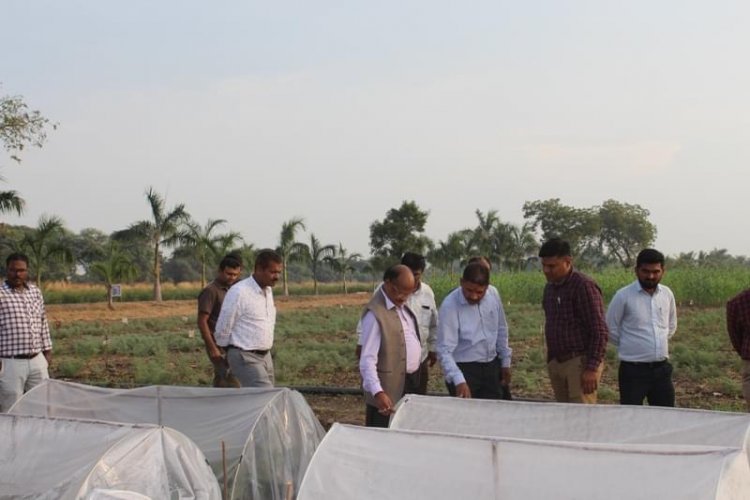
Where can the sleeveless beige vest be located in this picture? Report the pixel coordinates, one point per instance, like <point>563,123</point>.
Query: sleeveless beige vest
<point>391,363</point>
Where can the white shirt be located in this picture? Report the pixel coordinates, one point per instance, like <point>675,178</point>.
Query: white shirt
<point>247,317</point>
<point>471,333</point>
<point>422,304</point>
<point>368,362</point>
<point>640,324</point>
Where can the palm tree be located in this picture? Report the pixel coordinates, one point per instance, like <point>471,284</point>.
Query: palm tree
<point>11,202</point>
<point>289,249</point>
<point>117,266</point>
<point>342,262</point>
<point>45,243</point>
<point>164,230</point>
<point>451,251</point>
<point>482,239</point>
<point>206,244</point>
<point>315,254</point>
<point>522,245</point>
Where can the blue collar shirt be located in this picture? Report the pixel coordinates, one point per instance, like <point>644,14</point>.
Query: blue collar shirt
<point>641,324</point>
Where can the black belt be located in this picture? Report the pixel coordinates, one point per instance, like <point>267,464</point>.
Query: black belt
<point>259,352</point>
<point>23,356</point>
<point>649,364</point>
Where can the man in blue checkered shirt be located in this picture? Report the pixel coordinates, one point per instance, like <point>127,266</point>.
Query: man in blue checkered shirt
<point>25,344</point>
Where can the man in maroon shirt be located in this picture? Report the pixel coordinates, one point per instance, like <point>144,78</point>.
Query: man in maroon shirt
<point>738,326</point>
<point>575,328</point>
<point>209,307</point>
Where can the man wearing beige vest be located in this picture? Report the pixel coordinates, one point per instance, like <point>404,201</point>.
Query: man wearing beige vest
<point>391,348</point>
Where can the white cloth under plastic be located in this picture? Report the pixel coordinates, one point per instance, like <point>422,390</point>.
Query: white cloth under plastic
<point>387,464</point>
<point>572,422</point>
<point>269,434</point>
<point>49,458</point>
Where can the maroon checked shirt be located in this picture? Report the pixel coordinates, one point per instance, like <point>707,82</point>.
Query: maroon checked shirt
<point>575,323</point>
<point>738,323</point>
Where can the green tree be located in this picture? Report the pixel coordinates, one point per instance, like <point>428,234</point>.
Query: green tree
<point>449,253</point>
<point>521,245</point>
<point>343,263</point>
<point>21,127</point>
<point>11,201</point>
<point>45,244</point>
<point>579,226</point>
<point>625,230</point>
<point>117,266</point>
<point>288,248</point>
<point>162,231</point>
<point>315,254</point>
<point>206,244</point>
<point>89,246</point>
<point>400,231</point>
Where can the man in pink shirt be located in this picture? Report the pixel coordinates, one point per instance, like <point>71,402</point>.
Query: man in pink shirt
<point>391,348</point>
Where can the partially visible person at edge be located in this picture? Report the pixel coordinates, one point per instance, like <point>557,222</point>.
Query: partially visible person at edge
<point>642,317</point>
<point>422,304</point>
<point>246,323</point>
<point>575,328</point>
<point>391,347</point>
<point>209,307</point>
<point>738,327</point>
<point>25,343</point>
<point>473,338</point>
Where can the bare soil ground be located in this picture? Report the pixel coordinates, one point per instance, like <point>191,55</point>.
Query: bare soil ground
<point>168,308</point>
<point>328,408</point>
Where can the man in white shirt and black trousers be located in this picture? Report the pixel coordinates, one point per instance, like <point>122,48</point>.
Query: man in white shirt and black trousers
<point>642,317</point>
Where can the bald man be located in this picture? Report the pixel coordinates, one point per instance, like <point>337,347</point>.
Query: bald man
<point>391,347</point>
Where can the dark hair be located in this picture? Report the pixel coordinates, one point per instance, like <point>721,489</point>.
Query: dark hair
<point>480,259</point>
<point>649,256</point>
<point>16,256</point>
<point>476,273</point>
<point>231,260</point>
<point>414,261</point>
<point>264,257</point>
<point>555,247</point>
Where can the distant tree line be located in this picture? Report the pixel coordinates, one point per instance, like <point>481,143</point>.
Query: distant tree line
<point>171,245</point>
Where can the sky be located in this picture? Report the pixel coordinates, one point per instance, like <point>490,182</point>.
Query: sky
<point>337,111</point>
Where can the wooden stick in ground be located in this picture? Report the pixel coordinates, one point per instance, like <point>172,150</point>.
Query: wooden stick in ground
<point>224,468</point>
<point>289,490</point>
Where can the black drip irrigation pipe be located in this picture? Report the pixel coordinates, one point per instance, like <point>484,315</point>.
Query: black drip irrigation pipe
<point>356,391</point>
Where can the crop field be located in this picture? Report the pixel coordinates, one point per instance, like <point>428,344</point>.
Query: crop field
<point>147,343</point>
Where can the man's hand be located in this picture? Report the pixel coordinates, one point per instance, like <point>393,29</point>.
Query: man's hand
<point>358,351</point>
<point>463,391</point>
<point>432,357</point>
<point>505,376</point>
<point>588,381</point>
<point>383,403</point>
<point>215,355</point>
<point>47,356</point>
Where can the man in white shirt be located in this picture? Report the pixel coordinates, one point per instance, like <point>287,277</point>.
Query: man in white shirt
<point>642,317</point>
<point>422,304</point>
<point>391,348</point>
<point>473,338</point>
<point>246,323</point>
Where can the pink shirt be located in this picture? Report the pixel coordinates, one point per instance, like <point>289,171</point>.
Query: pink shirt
<point>371,345</point>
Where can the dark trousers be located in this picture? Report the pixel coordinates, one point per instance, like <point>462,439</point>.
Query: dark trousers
<point>649,381</point>
<point>483,379</point>
<point>424,377</point>
<point>373,418</point>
